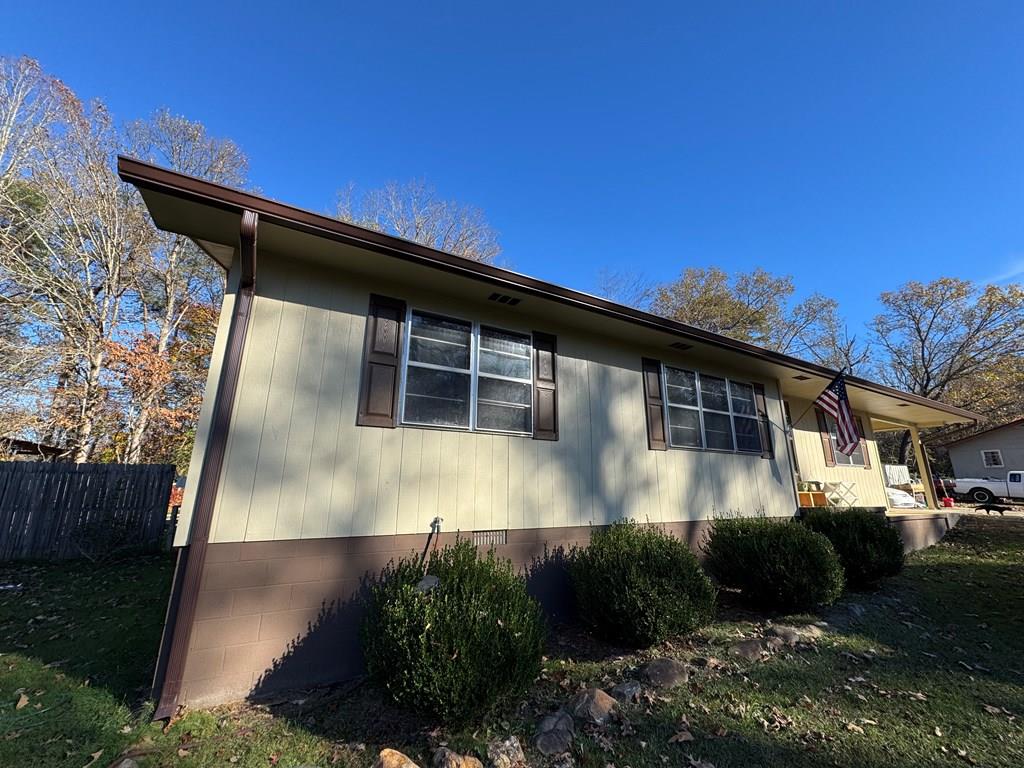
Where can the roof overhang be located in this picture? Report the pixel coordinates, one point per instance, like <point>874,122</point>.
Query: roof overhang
<point>211,214</point>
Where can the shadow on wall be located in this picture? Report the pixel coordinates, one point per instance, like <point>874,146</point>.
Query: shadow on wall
<point>330,650</point>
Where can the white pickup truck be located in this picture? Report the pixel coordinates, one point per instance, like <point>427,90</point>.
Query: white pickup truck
<point>986,490</point>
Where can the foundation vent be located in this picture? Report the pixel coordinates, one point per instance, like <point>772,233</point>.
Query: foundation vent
<point>502,298</point>
<point>490,539</point>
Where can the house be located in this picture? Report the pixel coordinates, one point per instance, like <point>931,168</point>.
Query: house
<point>369,397</point>
<point>989,453</point>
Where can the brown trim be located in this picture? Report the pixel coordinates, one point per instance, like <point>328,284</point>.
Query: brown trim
<point>168,689</point>
<point>654,404</point>
<point>382,363</point>
<point>545,387</point>
<point>763,422</point>
<point>151,177</point>
<point>826,441</point>
<point>863,442</point>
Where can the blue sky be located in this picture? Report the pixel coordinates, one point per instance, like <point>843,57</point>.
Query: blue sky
<point>852,145</point>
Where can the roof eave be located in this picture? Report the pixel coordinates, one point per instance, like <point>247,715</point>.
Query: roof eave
<point>151,177</point>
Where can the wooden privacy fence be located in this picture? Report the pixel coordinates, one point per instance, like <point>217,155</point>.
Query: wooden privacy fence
<point>53,511</point>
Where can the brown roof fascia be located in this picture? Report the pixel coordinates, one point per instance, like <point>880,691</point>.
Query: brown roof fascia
<point>157,179</point>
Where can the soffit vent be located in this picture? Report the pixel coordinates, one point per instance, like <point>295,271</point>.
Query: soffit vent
<point>490,538</point>
<point>502,298</point>
<point>682,346</point>
<point>801,377</point>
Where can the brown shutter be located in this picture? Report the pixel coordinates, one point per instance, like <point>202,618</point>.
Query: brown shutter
<point>863,442</point>
<point>382,360</point>
<point>826,442</point>
<point>654,405</point>
<point>545,388</point>
<point>765,425</point>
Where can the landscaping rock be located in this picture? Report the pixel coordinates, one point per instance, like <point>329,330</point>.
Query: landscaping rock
<point>665,673</point>
<point>506,754</point>
<point>446,758</point>
<point>554,734</point>
<point>750,650</point>
<point>427,583</point>
<point>392,758</point>
<point>593,705</point>
<point>793,635</point>
<point>628,691</point>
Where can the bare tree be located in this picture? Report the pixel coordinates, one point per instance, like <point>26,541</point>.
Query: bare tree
<point>949,339</point>
<point>414,211</point>
<point>626,287</point>
<point>29,107</point>
<point>174,277</point>
<point>73,240</point>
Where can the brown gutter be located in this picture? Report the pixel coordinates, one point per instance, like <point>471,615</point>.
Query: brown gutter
<point>152,177</point>
<point>189,572</point>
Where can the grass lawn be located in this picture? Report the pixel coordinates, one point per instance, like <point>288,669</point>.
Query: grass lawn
<point>928,671</point>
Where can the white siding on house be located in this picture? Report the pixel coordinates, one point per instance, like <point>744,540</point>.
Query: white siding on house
<point>867,482</point>
<point>297,466</point>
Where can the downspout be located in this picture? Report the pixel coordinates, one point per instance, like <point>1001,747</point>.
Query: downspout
<point>167,683</point>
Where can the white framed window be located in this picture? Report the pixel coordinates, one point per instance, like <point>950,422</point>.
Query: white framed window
<point>711,412</point>
<point>457,374</point>
<point>992,458</point>
<point>841,459</point>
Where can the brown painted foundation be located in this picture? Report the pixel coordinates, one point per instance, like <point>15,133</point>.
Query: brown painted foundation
<point>275,615</point>
<point>922,530</point>
<point>278,615</point>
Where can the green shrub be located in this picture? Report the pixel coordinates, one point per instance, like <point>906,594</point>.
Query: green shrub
<point>638,585</point>
<point>868,547</point>
<point>458,648</point>
<point>779,566</point>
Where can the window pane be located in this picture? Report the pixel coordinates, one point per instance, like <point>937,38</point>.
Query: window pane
<point>503,417</point>
<point>501,391</point>
<point>681,386</point>
<point>856,460</point>
<point>439,341</point>
<point>504,353</point>
<point>438,353</point>
<point>684,427</point>
<point>712,394</point>
<point>742,398</point>
<point>436,397</point>
<point>717,430</point>
<point>748,436</point>
<point>504,365</point>
<point>505,341</point>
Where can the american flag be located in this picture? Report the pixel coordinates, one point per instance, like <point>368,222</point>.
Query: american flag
<point>836,404</point>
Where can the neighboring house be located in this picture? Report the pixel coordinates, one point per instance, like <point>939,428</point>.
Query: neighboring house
<point>369,397</point>
<point>28,450</point>
<point>990,453</point>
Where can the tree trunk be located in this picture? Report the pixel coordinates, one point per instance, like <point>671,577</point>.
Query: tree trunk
<point>905,446</point>
<point>90,403</point>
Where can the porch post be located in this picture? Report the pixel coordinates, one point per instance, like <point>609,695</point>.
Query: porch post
<point>924,469</point>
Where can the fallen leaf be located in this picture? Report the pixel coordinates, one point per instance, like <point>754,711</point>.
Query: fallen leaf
<point>182,752</point>
<point>854,728</point>
<point>95,756</point>
<point>988,708</point>
<point>938,731</point>
<point>22,702</point>
<point>682,735</point>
